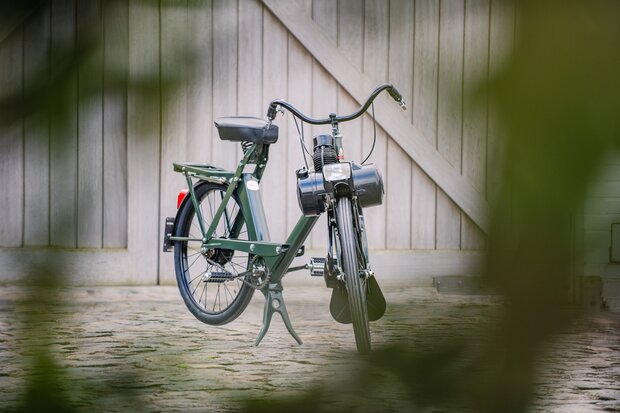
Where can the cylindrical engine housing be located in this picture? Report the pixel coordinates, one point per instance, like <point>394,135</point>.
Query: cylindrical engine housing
<point>368,184</point>
<point>310,191</point>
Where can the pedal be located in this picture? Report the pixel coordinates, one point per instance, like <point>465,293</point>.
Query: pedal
<point>217,277</point>
<point>316,267</point>
<point>168,228</point>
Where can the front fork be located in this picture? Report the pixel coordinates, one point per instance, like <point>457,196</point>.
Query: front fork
<point>333,271</point>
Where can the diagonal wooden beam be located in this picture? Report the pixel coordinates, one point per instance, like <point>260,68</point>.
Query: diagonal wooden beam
<point>358,84</point>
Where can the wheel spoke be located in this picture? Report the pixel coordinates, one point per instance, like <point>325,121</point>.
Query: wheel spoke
<point>227,295</point>
<point>193,262</point>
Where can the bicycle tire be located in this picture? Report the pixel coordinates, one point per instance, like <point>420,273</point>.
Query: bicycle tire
<point>192,264</point>
<point>354,283</point>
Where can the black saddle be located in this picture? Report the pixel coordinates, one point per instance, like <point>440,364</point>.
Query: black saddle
<point>246,129</point>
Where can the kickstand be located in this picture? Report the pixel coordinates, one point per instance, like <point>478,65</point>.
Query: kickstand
<point>275,304</point>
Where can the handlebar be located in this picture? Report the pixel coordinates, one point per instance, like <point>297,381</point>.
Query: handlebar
<point>273,107</point>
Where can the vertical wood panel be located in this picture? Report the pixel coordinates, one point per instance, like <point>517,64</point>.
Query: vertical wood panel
<point>249,99</point>
<point>300,95</point>
<point>143,144</point>
<point>200,129</point>
<point>449,116</point>
<point>398,163</point>
<point>476,43</point>
<point>500,46</point>
<point>351,44</point>
<point>423,203</point>
<point>12,153</point>
<point>325,14</point>
<point>225,32</point>
<point>173,46</point>
<point>247,59</point>
<point>36,134</point>
<point>63,138</point>
<point>90,128</point>
<point>376,29</point>
<point>352,135</point>
<point>275,86</point>
<point>324,94</point>
<point>116,55</point>
<point>351,30</point>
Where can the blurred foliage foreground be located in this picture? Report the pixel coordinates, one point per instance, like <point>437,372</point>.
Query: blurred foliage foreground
<point>558,101</point>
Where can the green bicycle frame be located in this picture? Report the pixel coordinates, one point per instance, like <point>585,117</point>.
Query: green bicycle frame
<point>278,257</point>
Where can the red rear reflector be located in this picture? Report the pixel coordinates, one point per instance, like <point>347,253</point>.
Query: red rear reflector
<point>181,197</point>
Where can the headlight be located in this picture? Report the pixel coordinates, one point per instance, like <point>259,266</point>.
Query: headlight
<point>336,172</point>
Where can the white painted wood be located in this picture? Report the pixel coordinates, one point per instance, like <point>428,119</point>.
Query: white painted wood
<point>108,267</point>
<point>90,129</point>
<point>324,95</point>
<point>351,45</point>
<point>63,133</point>
<point>324,101</point>
<point>396,267</point>
<point>376,47</point>
<point>143,147</point>
<point>36,134</point>
<point>225,41</point>
<point>424,108</point>
<point>351,31</point>
<point>300,95</point>
<point>299,76</point>
<point>273,184</point>
<point>325,14</point>
<point>449,114</point>
<point>423,210</point>
<point>475,70</point>
<point>347,42</point>
<point>116,55</point>
<point>398,174</point>
<point>501,45</point>
<point>80,266</point>
<point>355,149</point>
<point>376,217</point>
<point>174,35</point>
<point>12,153</point>
<point>415,145</point>
<point>249,99</point>
<point>200,129</point>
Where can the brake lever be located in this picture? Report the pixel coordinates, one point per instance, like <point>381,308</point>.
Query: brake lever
<point>272,112</point>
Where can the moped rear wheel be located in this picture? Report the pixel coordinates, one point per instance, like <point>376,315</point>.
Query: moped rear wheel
<point>354,282</point>
<point>209,280</point>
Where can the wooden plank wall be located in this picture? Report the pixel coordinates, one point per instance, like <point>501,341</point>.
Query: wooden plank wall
<point>434,51</point>
<point>64,177</point>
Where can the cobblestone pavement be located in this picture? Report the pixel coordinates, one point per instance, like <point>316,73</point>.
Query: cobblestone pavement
<point>144,339</point>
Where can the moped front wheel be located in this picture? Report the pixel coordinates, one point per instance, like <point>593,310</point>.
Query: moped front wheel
<point>355,283</point>
<point>208,279</point>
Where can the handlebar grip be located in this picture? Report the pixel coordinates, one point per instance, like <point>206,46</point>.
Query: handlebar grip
<point>395,94</point>
<point>272,111</point>
<point>397,97</point>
